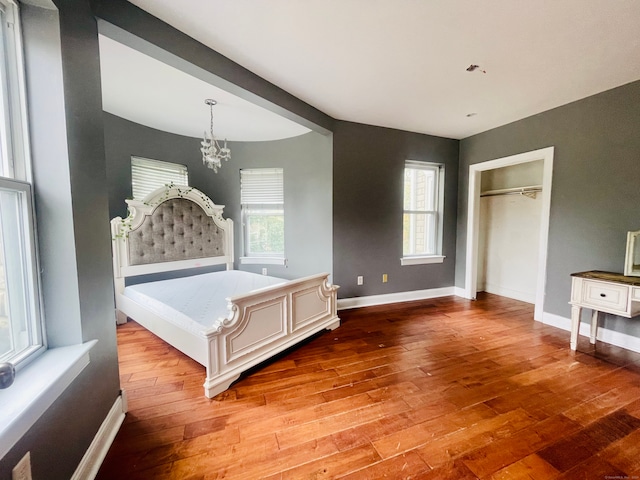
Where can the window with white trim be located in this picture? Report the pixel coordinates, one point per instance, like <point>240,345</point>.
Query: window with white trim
<point>21,326</point>
<point>148,175</point>
<point>262,204</point>
<point>422,212</point>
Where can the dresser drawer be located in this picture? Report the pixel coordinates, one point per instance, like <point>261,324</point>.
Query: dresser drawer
<point>605,296</point>
<point>635,294</point>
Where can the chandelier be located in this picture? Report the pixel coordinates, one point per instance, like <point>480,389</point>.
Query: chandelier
<point>212,152</point>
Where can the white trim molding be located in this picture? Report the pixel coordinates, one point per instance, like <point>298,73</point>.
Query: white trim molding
<point>263,261</point>
<point>97,451</point>
<point>459,292</point>
<point>526,297</point>
<point>422,260</point>
<point>355,302</point>
<point>35,389</point>
<point>473,219</point>
<point>611,337</point>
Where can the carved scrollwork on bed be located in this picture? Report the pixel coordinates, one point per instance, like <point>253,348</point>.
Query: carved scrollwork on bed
<point>175,225</point>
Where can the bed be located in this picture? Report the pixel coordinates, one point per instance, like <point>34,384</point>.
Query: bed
<point>228,321</point>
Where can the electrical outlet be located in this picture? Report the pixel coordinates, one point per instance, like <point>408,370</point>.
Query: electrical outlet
<point>22,470</point>
<point>385,278</point>
<point>264,271</point>
<point>360,279</point>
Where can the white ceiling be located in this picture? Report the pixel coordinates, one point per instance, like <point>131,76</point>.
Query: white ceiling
<point>144,90</point>
<point>402,63</point>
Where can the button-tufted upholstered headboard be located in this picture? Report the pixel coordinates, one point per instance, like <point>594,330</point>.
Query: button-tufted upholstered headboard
<point>172,228</point>
<point>177,229</point>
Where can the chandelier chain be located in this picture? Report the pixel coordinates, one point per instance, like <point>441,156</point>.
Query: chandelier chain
<point>212,152</point>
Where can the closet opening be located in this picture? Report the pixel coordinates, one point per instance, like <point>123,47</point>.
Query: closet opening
<point>508,225</point>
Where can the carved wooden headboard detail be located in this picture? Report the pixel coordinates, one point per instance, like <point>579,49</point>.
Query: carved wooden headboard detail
<point>172,228</point>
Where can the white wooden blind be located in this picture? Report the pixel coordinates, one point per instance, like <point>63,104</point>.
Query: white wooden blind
<point>262,186</point>
<point>147,175</point>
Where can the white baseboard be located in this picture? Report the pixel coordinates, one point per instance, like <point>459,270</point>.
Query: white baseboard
<point>97,451</point>
<point>557,321</point>
<point>528,297</point>
<point>459,292</point>
<point>355,302</point>
<point>611,337</point>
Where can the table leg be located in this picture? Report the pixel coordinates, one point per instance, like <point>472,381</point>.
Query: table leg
<point>595,316</point>
<point>575,325</point>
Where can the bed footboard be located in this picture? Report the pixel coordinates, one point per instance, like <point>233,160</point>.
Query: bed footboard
<point>266,322</point>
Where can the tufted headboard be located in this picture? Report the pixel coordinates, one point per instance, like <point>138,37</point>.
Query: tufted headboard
<point>173,228</point>
<point>177,229</point>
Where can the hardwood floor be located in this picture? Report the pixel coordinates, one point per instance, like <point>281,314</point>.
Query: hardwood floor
<point>438,389</point>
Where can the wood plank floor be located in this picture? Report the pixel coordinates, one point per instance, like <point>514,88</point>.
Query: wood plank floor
<point>438,389</point>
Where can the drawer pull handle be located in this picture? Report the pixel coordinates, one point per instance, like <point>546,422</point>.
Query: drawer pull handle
<point>603,295</point>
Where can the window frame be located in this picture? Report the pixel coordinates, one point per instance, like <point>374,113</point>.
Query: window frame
<point>13,120</point>
<point>272,204</point>
<point>16,176</point>
<point>43,377</point>
<point>156,167</point>
<point>437,211</point>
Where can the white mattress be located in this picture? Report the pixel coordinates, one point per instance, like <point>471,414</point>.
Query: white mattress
<point>195,302</point>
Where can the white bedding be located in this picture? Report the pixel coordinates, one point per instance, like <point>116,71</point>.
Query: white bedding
<point>195,302</point>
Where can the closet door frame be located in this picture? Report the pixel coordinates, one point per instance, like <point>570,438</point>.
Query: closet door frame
<point>473,220</point>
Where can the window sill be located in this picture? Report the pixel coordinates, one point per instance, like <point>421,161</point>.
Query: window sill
<point>263,261</point>
<point>422,260</point>
<point>35,389</point>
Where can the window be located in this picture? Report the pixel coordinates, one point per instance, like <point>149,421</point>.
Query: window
<point>148,175</point>
<point>43,374</point>
<point>422,217</point>
<point>262,199</point>
<point>21,331</point>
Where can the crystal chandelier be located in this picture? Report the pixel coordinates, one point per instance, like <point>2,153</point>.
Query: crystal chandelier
<point>212,152</point>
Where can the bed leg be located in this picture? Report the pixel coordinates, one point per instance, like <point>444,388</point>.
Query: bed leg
<point>334,325</point>
<point>121,318</point>
<point>211,391</point>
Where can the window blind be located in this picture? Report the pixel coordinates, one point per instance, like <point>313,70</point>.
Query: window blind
<point>147,175</point>
<point>262,186</point>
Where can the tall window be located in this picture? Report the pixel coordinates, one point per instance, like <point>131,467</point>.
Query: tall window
<point>422,217</point>
<point>262,199</point>
<point>21,330</point>
<point>148,175</point>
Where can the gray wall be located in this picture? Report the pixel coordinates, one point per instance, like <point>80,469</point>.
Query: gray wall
<point>307,164</point>
<point>595,193</point>
<point>520,175</point>
<point>71,206</point>
<point>367,208</point>
<point>123,139</point>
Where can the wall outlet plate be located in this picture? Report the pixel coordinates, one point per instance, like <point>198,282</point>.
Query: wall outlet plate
<point>22,470</point>
<point>360,280</point>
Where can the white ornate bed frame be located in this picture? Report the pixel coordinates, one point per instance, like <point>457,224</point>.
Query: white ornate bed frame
<point>176,228</point>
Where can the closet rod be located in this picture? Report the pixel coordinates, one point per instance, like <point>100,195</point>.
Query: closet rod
<point>529,191</point>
